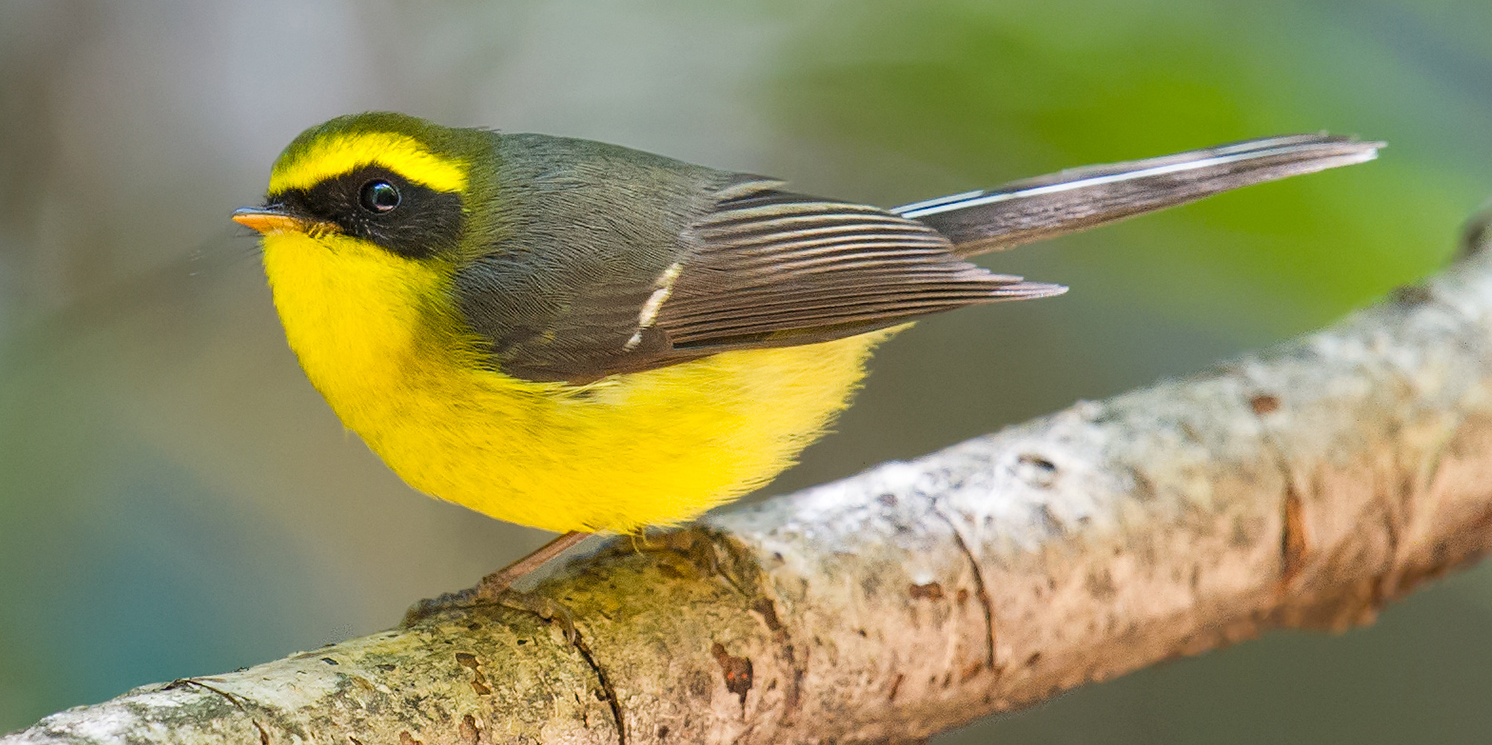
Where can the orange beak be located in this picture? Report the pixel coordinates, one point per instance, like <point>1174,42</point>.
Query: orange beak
<point>269,221</point>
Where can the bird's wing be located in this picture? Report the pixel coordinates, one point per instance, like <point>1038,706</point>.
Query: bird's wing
<point>773,268</point>
<point>703,262</point>
<point>753,267</point>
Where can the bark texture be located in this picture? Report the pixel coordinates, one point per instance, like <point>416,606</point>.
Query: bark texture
<point>1304,486</point>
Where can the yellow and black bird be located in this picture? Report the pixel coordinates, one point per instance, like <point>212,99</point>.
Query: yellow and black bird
<point>583,337</point>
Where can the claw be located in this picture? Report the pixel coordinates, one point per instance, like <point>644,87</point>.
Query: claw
<point>543,606</point>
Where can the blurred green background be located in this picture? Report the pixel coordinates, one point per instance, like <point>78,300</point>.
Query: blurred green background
<point>176,500</point>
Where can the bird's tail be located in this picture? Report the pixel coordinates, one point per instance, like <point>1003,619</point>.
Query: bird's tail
<point>1072,200</point>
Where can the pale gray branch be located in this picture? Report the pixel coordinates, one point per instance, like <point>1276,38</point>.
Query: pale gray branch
<point>1305,486</point>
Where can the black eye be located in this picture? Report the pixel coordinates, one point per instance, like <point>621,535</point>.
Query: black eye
<point>379,196</point>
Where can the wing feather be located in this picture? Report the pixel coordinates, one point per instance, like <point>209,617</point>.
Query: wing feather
<point>605,260</point>
<point>777,267</point>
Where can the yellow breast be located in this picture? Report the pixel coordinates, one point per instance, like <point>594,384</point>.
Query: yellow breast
<point>378,336</point>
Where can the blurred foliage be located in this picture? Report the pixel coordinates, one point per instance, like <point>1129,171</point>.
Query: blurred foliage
<point>175,499</point>
<point>937,83</point>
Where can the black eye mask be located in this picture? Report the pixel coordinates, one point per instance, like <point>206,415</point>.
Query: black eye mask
<point>378,205</point>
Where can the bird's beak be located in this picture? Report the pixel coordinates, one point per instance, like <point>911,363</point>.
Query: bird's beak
<point>269,220</point>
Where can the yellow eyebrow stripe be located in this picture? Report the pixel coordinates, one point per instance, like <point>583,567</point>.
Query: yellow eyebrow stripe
<point>341,154</point>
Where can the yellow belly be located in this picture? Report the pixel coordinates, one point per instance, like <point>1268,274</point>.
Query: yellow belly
<point>376,335</point>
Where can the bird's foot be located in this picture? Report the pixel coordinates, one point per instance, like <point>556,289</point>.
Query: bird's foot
<point>497,588</point>
<point>431,606</point>
<point>543,606</point>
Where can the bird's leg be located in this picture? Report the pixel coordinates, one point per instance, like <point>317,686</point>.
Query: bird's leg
<point>500,581</point>
<point>497,587</point>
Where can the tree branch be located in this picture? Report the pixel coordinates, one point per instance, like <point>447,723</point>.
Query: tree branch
<point>1305,486</point>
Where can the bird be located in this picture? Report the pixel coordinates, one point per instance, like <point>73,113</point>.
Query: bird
<point>583,337</point>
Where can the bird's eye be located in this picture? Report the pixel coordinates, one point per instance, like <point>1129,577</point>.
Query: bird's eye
<point>379,196</point>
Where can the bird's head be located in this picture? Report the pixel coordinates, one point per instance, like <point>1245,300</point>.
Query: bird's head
<point>397,182</point>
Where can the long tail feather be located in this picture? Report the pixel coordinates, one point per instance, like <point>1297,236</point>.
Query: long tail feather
<point>1081,198</point>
